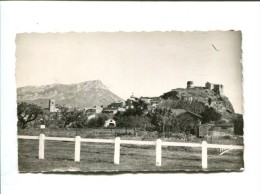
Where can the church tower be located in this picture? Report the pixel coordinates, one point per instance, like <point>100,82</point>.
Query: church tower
<point>52,106</point>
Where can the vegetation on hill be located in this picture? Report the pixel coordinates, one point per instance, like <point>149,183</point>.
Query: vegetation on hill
<point>205,97</point>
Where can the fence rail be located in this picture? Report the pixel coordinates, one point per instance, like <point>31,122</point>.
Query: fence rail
<point>117,142</point>
<point>28,137</point>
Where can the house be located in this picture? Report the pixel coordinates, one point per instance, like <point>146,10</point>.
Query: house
<point>119,104</point>
<point>221,130</point>
<point>129,106</point>
<point>217,130</point>
<point>98,109</point>
<point>203,129</point>
<point>110,123</point>
<point>133,98</point>
<point>115,107</point>
<point>152,102</point>
<point>146,100</point>
<point>178,112</point>
<point>130,101</point>
<point>94,110</point>
<point>91,117</point>
<point>121,109</point>
<point>194,115</point>
<point>110,110</point>
<point>156,100</point>
<point>195,119</point>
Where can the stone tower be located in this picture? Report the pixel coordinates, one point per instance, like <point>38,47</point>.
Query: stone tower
<point>218,89</point>
<point>52,106</point>
<point>189,84</point>
<point>208,85</point>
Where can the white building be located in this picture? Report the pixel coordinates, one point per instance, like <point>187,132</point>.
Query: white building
<point>110,122</point>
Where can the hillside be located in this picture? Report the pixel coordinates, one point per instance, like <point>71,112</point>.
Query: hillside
<point>208,97</point>
<point>82,95</point>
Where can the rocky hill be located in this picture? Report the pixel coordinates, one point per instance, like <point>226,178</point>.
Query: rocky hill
<point>208,97</point>
<point>82,95</point>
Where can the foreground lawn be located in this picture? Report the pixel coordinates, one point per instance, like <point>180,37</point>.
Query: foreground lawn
<point>59,157</point>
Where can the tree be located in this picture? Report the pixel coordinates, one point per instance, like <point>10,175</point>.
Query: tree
<point>161,118</point>
<point>124,121</point>
<point>26,113</point>
<point>132,121</point>
<point>143,122</point>
<point>100,120</point>
<point>139,107</point>
<point>67,116</point>
<point>80,122</point>
<point>170,95</point>
<point>196,107</point>
<point>92,123</point>
<point>173,123</point>
<point>209,115</point>
<point>132,117</point>
<point>186,122</point>
<point>238,124</point>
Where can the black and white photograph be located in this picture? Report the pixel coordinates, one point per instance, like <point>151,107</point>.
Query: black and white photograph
<point>129,97</point>
<point>130,101</point>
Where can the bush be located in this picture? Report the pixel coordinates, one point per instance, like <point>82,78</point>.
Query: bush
<point>227,137</point>
<point>210,114</point>
<point>238,124</point>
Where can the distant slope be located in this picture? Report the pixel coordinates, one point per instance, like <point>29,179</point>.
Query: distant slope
<point>82,95</point>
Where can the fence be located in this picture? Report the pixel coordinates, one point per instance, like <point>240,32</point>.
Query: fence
<point>117,142</point>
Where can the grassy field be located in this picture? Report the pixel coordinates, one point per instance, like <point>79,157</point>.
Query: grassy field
<point>59,157</point>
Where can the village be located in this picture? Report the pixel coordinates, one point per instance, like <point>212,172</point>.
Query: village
<point>178,111</point>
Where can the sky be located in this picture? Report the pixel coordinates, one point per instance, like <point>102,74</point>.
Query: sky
<point>142,63</point>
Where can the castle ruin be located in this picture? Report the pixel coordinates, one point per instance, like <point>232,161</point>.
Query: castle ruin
<point>217,88</point>
<point>189,84</point>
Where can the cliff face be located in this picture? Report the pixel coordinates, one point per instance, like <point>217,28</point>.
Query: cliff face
<point>208,97</point>
<point>82,95</point>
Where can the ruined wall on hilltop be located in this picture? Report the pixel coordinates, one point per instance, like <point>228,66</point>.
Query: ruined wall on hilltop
<point>211,96</point>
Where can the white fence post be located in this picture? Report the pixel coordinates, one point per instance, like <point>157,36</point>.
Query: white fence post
<point>158,152</point>
<point>204,155</point>
<point>41,146</point>
<point>117,150</point>
<point>77,149</point>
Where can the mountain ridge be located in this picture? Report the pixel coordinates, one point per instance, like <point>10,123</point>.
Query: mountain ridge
<point>82,95</point>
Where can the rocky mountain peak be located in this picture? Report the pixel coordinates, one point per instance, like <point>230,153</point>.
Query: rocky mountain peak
<point>85,94</point>
<point>97,84</point>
